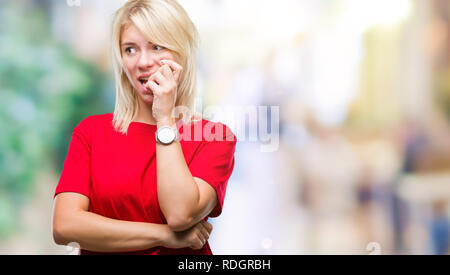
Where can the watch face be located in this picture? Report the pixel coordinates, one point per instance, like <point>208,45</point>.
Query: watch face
<point>166,135</point>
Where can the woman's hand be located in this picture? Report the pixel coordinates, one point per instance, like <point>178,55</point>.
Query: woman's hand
<point>164,85</point>
<point>195,237</point>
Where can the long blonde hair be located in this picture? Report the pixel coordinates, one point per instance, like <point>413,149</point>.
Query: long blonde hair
<point>163,22</point>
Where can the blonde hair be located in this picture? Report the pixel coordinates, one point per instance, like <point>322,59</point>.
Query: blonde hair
<point>165,23</point>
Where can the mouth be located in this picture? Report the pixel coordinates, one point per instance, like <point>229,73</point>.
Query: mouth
<point>143,81</point>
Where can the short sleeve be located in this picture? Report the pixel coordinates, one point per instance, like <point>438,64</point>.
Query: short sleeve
<point>76,173</point>
<point>213,162</point>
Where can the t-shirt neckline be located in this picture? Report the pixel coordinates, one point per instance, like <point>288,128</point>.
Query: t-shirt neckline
<point>143,124</point>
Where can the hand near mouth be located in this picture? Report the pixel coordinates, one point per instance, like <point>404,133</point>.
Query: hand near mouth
<point>164,85</point>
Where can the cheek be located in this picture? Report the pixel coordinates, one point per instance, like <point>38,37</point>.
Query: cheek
<point>129,64</point>
<point>168,55</point>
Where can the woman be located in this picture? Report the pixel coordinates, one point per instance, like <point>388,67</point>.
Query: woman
<point>145,180</point>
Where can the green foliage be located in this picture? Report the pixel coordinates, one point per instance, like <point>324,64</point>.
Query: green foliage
<point>45,91</point>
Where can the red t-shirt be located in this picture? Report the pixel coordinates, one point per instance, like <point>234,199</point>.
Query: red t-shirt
<point>118,172</point>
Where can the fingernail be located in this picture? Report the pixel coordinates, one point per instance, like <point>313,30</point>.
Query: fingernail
<point>164,61</point>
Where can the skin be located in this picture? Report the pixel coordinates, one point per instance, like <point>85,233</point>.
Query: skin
<point>184,200</point>
<point>72,222</point>
<point>141,57</point>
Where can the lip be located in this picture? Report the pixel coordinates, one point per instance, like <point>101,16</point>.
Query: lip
<point>145,89</point>
<point>145,75</point>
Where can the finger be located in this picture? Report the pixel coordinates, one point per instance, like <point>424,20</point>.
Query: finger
<point>201,232</point>
<point>152,85</point>
<point>204,232</point>
<point>167,72</point>
<point>175,67</point>
<point>198,244</point>
<point>208,226</point>
<point>198,241</point>
<point>158,78</point>
<point>203,239</point>
<point>202,242</point>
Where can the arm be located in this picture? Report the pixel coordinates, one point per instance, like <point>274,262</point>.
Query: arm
<point>72,222</point>
<point>184,200</point>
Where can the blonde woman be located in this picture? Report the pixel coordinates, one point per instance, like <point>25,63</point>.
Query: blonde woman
<point>145,179</point>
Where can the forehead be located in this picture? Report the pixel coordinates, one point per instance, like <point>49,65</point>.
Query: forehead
<point>131,33</point>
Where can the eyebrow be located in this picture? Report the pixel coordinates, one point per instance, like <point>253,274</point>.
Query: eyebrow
<point>128,44</point>
<point>134,44</point>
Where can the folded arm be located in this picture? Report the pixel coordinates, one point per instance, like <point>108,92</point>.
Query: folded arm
<point>72,222</point>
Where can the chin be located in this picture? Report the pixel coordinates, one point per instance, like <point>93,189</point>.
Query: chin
<point>147,98</point>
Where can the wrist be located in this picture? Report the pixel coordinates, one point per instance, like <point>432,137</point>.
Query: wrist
<point>166,237</point>
<point>166,122</point>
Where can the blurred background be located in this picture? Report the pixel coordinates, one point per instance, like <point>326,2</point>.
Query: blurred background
<point>363,89</point>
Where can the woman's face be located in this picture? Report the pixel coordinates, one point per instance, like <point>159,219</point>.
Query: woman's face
<point>141,59</point>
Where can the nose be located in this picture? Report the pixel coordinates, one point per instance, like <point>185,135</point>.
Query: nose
<point>146,61</point>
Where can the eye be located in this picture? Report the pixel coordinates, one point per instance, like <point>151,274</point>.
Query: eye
<point>130,50</point>
<point>158,48</point>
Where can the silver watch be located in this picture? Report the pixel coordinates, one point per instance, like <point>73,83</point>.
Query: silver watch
<point>166,135</point>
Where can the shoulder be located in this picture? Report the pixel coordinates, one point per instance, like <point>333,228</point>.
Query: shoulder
<point>91,123</point>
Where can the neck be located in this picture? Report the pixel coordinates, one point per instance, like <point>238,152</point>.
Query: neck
<point>145,114</point>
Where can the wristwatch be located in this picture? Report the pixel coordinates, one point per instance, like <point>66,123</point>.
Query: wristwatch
<point>166,135</point>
